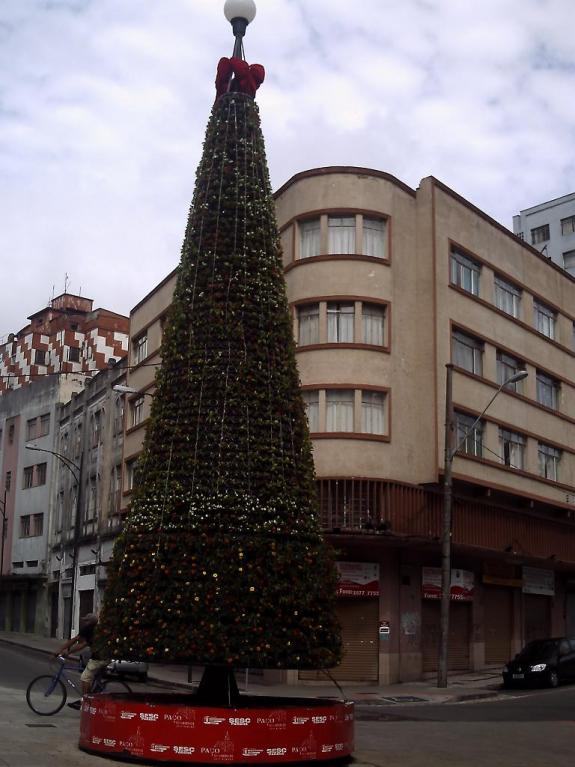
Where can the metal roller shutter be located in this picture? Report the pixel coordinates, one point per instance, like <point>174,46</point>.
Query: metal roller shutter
<point>359,620</point>
<point>498,623</point>
<point>459,635</point>
<point>536,611</point>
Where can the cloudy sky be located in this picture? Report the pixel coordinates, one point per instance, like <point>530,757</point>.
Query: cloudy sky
<point>103,107</point>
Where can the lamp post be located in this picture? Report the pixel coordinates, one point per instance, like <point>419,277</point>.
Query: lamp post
<point>76,471</point>
<point>239,13</point>
<point>446,531</point>
<point>3,533</point>
<point>122,389</point>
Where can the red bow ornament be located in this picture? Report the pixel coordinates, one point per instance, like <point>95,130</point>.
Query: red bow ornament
<point>247,78</point>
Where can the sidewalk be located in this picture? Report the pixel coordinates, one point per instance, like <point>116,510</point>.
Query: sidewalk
<point>467,686</point>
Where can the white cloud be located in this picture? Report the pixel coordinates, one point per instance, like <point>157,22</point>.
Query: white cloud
<point>104,103</point>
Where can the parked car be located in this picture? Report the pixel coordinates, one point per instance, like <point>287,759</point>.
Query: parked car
<point>128,668</point>
<point>542,662</point>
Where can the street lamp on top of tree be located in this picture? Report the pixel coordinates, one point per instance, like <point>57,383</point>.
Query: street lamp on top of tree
<point>239,13</point>
<point>450,453</point>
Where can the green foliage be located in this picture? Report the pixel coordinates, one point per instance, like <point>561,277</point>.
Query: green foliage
<point>222,560</point>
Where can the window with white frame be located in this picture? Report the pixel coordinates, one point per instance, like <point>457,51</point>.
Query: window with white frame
<point>308,324</point>
<point>569,261</point>
<point>140,348</point>
<point>465,272</point>
<point>568,225</point>
<point>508,366</point>
<point>374,235</point>
<point>339,409</point>
<point>341,234</point>
<point>137,409</point>
<point>28,477</point>
<point>131,468</point>
<point>544,318</point>
<point>507,297</point>
<point>373,412</point>
<point>340,322</point>
<point>512,447</point>
<point>310,238</point>
<point>468,437</point>
<point>467,352</point>
<point>548,389</point>
<point>311,402</point>
<point>373,321</point>
<point>549,459</point>
<point>540,234</point>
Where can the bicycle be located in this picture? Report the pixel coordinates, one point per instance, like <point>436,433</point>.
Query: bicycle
<point>47,694</point>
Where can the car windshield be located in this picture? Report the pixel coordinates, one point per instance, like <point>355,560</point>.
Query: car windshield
<point>539,650</point>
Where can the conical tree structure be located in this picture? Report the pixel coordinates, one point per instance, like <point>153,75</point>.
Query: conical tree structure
<point>222,560</point>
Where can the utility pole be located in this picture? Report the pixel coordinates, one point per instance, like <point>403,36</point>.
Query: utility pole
<point>4,525</point>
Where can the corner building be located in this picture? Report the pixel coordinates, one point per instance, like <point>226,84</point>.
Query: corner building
<point>387,285</point>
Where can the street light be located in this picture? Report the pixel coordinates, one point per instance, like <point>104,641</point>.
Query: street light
<point>76,471</point>
<point>130,390</point>
<point>239,13</point>
<point>450,453</point>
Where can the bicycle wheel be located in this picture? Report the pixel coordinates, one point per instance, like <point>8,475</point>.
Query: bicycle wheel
<point>114,685</point>
<point>46,695</point>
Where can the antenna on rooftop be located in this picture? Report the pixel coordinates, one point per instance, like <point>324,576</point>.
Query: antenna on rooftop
<point>66,280</point>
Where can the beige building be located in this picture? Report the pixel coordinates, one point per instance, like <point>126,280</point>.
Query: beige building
<point>387,285</point>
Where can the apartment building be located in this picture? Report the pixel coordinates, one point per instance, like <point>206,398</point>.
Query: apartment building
<point>387,285</point>
<point>67,336</point>
<point>86,498</point>
<point>28,423</point>
<point>550,228</point>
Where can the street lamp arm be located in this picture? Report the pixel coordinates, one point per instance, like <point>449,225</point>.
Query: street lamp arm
<point>69,464</point>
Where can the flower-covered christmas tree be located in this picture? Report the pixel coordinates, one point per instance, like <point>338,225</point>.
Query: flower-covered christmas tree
<point>221,561</point>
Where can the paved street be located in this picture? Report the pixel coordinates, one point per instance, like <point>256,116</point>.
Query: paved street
<point>519,729</point>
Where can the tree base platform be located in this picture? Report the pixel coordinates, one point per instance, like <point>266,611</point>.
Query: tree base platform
<point>163,728</point>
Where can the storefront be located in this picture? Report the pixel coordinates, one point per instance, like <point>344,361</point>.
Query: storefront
<point>460,619</point>
<point>358,614</point>
<point>538,590</point>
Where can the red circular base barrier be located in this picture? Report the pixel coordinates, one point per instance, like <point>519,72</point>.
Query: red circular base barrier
<point>167,728</point>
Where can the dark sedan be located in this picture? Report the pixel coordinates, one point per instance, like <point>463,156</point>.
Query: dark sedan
<point>542,662</point>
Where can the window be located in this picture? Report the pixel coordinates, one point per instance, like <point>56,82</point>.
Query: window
<point>17,565</point>
<point>465,272</point>
<point>374,237</point>
<point>137,408</point>
<point>31,429</point>
<point>520,235</point>
<point>41,474</point>
<point>467,352</point>
<point>508,366</point>
<point>339,409</point>
<point>569,261</point>
<point>568,225</point>
<point>544,319</point>
<point>131,468</point>
<point>340,322</point>
<point>373,324</point>
<point>540,234</point>
<point>44,425</point>
<point>8,481</point>
<point>512,447</point>
<point>341,234</point>
<point>549,458</point>
<point>310,238</point>
<point>31,563</point>
<point>140,348</point>
<point>40,357</point>
<point>469,436</point>
<point>373,412</point>
<point>311,402</point>
<point>38,524</point>
<point>25,526</point>
<point>74,354</point>
<point>11,434</point>
<point>548,389</point>
<point>507,297</point>
<point>308,324</point>
<point>28,477</point>
<point>96,428</point>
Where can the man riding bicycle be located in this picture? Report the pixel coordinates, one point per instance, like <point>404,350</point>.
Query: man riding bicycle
<point>85,638</point>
